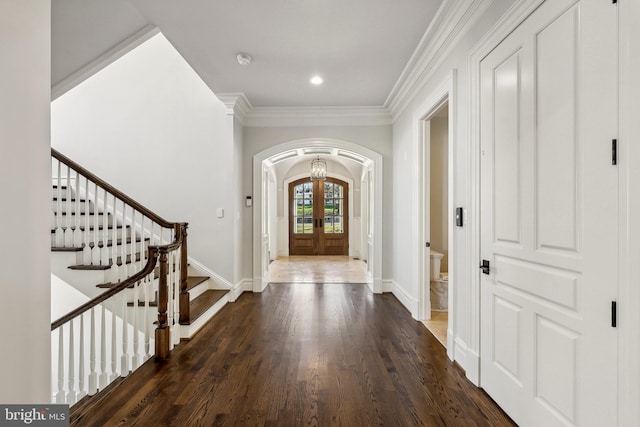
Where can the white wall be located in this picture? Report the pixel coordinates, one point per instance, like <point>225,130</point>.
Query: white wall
<point>148,125</point>
<point>25,165</point>
<point>376,138</point>
<point>439,218</point>
<point>404,173</point>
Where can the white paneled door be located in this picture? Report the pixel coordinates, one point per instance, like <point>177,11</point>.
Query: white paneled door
<point>549,198</point>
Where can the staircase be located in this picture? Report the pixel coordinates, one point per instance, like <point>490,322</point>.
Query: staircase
<point>133,266</point>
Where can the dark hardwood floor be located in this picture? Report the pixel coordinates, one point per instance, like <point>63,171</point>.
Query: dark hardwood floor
<point>302,354</point>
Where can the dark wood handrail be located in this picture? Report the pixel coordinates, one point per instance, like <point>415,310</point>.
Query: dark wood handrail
<point>111,189</point>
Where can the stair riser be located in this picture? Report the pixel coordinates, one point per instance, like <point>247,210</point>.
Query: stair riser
<point>198,290</point>
<point>64,206</point>
<point>79,220</point>
<point>66,193</point>
<point>71,238</point>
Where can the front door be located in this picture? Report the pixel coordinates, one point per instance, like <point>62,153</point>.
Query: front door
<point>549,199</point>
<point>318,217</point>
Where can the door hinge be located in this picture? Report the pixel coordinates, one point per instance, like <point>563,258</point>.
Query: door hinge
<point>614,151</point>
<point>614,314</point>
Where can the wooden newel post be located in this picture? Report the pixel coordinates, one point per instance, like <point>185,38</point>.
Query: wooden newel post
<point>162,331</point>
<point>185,313</point>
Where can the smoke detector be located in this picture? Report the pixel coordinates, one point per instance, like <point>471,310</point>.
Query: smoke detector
<point>243,59</point>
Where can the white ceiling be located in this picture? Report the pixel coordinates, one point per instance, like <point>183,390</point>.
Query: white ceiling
<point>359,47</point>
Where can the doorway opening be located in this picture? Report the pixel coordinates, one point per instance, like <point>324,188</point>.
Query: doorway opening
<point>345,222</point>
<point>435,250</point>
<point>436,136</point>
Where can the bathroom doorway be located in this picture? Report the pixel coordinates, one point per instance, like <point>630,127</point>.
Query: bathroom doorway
<point>436,197</point>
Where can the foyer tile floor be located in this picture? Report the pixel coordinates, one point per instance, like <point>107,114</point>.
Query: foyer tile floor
<point>317,269</point>
<point>437,325</point>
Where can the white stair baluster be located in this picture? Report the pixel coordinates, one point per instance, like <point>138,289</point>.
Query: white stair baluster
<point>60,395</point>
<point>104,251</point>
<point>124,359</point>
<point>147,318</point>
<point>81,361</point>
<point>95,234</point>
<point>104,377</point>
<point>59,234</point>
<point>68,234</point>
<point>86,251</point>
<point>114,341</point>
<point>77,208</point>
<point>136,329</point>
<point>71,377</point>
<point>93,376</point>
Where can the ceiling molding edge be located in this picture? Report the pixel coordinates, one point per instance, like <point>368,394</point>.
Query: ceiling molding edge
<point>452,21</point>
<point>317,116</point>
<point>237,105</point>
<point>103,61</point>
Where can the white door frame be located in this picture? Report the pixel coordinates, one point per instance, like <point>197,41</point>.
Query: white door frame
<point>445,92</point>
<point>260,276</point>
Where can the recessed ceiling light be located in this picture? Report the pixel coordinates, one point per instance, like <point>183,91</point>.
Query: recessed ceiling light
<point>316,80</point>
<point>243,59</point>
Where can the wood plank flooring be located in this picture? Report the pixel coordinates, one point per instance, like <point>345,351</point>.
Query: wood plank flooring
<point>309,354</point>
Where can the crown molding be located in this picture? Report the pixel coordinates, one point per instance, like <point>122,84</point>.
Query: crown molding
<point>103,61</point>
<point>317,116</point>
<point>237,105</point>
<point>452,21</point>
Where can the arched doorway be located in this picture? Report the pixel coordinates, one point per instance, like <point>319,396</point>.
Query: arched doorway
<point>318,217</point>
<point>372,188</point>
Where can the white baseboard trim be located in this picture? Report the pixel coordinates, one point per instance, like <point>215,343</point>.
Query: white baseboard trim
<point>451,349</point>
<point>215,280</point>
<point>245,285</point>
<point>472,367</point>
<point>402,295</point>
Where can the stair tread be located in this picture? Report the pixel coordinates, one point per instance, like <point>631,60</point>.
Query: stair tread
<point>90,267</point>
<point>81,213</point>
<point>63,249</point>
<point>73,199</point>
<point>98,244</point>
<point>193,281</point>
<point>203,302</point>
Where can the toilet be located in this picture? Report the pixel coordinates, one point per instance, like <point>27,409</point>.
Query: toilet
<point>439,284</point>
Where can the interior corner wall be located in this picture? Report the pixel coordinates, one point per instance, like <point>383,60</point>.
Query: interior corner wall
<point>25,167</point>
<point>376,138</point>
<point>241,210</point>
<point>404,181</point>
<point>148,125</point>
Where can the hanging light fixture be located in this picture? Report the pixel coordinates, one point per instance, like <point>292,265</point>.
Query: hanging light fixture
<point>318,169</point>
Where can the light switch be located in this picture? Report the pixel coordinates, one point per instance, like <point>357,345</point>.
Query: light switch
<point>220,212</point>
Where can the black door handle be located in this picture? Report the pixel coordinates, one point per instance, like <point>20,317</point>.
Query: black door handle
<point>315,223</point>
<point>485,266</point>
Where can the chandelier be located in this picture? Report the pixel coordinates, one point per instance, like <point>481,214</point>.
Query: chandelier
<point>318,169</point>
